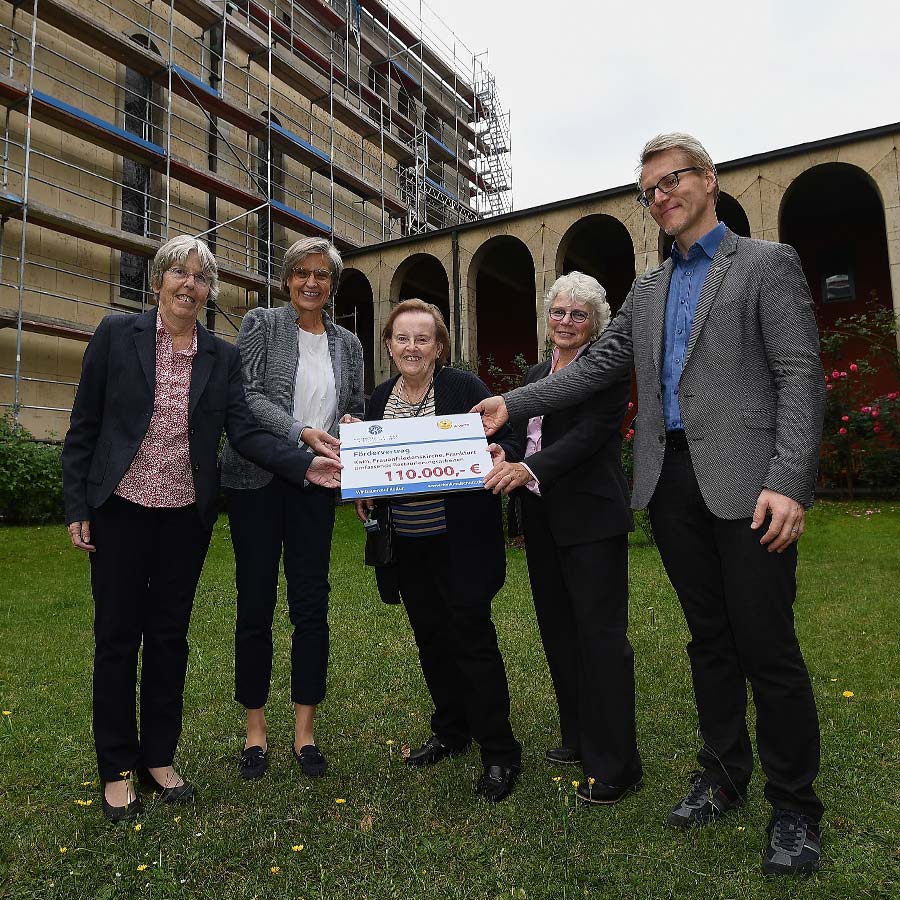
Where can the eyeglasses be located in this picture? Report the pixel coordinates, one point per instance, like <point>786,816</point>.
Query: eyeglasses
<point>578,316</point>
<point>666,184</point>
<point>320,275</point>
<point>405,341</point>
<point>182,275</point>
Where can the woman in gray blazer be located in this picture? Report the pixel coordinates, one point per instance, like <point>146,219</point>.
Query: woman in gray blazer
<point>302,374</point>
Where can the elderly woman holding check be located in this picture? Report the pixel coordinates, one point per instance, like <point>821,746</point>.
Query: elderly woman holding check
<point>140,480</point>
<point>451,562</point>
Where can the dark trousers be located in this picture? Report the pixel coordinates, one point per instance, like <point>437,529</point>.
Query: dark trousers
<point>144,574</point>
<point>738,601</point>
<point>581,600</point>
<point>268,523</point>
<point>458,650</point>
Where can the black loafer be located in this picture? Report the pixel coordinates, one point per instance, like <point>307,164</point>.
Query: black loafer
<point>180,793</point>
<point>497,782</point>
<point>432,751</point>
<point>127,813</point>
<point>253,763</point>
<point>606,794</point>
<point>311,760</point>
<point>563,756</point>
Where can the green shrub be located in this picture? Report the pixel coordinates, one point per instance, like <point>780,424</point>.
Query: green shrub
<point>30,477</point>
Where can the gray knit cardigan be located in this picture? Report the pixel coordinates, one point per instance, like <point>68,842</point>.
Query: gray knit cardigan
<point>269,357</point>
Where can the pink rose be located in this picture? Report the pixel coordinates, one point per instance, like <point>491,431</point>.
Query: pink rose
<point>876,412</point>
<point>845,418</point>
<point>828,387</point>
<point>892,395</point>
<point>835,374</point>
<point>854,367</point>
<point>842,430</point>
<point>876,428</point>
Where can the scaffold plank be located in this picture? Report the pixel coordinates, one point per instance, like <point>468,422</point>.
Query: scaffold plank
<point>49,325</point>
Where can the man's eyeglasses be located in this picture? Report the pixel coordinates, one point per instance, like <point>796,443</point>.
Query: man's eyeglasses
<point>321,275</point>
<point>182,275</point>
<point>578,316</point>
<point>666,184</point>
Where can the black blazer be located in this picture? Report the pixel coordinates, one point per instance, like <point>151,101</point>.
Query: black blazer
<point>583,486</point>
<point>474,518</point>
<point>114,405</point>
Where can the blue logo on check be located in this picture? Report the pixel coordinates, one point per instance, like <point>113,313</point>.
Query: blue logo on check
<point>374,429</point>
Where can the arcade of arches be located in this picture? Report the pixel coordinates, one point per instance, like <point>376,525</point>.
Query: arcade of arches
<point>837,201</point>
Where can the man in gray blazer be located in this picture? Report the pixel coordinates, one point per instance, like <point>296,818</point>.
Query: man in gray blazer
<point>731,397</point>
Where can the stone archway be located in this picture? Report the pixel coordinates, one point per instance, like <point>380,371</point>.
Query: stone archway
<point>423,276</point>
<point>501,289</point>
<point>601,246</point>
<point>833,216</point>
<point>354,308</point>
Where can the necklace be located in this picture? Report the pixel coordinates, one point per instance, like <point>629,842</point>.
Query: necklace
<point>421,401</point>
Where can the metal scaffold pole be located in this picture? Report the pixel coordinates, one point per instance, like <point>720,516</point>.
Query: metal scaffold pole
<point>23,241</point>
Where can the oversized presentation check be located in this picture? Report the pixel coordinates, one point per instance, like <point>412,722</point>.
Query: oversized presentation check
<point>413,456</point>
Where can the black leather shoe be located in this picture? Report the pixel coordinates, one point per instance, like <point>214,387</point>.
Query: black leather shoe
<point>563,756</point>
<point>605,794</point>
<point>253,763</point>
<point>127,813</point>
<point>432,751</point>
<point>497,782</point>
<point>180,793</point>
<point>311,760</point>
<point>704,803</point>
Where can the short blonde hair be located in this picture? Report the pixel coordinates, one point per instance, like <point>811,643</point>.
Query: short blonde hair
<point>687,144</point>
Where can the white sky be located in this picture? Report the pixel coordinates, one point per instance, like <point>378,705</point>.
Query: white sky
<point>588,82</point>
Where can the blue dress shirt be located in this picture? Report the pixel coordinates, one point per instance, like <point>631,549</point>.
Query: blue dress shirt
<point>688,274</point>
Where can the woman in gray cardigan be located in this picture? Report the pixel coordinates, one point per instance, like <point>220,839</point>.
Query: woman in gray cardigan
<point>302,374</point>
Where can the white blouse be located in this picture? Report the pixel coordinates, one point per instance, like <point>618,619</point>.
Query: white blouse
<point>315,399</point>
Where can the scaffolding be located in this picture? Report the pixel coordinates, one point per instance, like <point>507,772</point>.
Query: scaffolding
<point>250,122</point>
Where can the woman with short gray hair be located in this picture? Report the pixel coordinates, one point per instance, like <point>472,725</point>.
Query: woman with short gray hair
<point>141,484</point>
<point>302,374</point>
<point>576,517</point>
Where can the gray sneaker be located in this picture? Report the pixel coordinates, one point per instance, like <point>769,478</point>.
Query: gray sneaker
<point>704,803</point>
<point>794,845</point>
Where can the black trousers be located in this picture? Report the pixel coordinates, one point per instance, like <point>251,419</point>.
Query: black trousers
<point>738,601</point>
<point>144,574</point>
<point>458,650</point>
<point>268,523</point>
<point>581,600</point>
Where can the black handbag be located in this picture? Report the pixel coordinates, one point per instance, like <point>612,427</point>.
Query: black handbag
<point>380,540</point>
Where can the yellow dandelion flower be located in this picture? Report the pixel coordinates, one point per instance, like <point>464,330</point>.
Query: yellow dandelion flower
<point>339,800</point>
<point>832,679</point>
<point>177,819</point>
<point>848,694</point>
<point>138,827</point>
<point>63,849</point>
<point>297,848</point>
<point>557,777</point>
<point>275,870</point>
<point>86,783</point>
<point>142,867</point>
<point>389,743</point>
<point>7,712</point>
<point>592,781</point>
<point>84,802</point>
<point>575,784</point>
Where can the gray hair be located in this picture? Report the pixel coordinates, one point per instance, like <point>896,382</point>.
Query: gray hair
<point>299,250</point>
<point>174,252</point>
<point>581,288</point>
<point>687,144</point>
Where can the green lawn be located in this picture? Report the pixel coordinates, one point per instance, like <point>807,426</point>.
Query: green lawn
<point>373,829</point>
